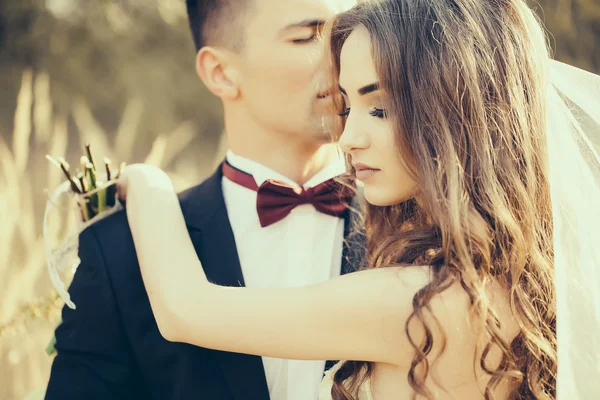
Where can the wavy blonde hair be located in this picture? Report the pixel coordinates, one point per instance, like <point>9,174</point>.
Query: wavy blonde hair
<point>466,90</point>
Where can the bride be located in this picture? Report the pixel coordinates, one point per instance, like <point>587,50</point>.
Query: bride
<point>444,105</point>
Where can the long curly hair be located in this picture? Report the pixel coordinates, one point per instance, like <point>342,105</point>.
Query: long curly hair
<point>465,82</point>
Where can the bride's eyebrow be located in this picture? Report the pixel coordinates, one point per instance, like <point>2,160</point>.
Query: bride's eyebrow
<point>373,87</point>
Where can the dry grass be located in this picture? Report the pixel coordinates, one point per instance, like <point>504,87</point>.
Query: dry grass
<point>29,310</point>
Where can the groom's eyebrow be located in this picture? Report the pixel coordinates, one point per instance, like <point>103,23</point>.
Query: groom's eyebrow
<point>307,23</point>
<point>373,87</point>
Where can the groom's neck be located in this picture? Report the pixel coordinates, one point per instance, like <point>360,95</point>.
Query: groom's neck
<point>296,158</point>
<point>289,162</point>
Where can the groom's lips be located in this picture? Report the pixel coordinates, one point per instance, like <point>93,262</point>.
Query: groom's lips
<point>325,94</point>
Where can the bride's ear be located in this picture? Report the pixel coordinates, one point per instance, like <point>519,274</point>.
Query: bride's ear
<point>218,72</point>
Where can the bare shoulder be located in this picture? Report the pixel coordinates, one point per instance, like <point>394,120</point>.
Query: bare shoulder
<point>453,301</point>
<point>449,316</point>
<point>394,284</point>
<point>456,339</point>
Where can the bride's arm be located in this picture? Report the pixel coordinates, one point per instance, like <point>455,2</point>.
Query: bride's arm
<point>359,316</point>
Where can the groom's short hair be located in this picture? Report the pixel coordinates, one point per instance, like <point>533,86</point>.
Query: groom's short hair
<point>218,22</point>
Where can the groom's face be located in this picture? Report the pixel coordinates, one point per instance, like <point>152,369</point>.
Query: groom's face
<point>284,77</point>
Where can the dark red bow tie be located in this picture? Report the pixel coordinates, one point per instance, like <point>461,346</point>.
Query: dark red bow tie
<point>276,199</point>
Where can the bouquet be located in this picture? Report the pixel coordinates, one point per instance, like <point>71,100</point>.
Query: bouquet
<point>95,195</point>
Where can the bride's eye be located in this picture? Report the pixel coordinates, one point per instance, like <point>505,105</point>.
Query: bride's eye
<point>378,112</point>
<point>345,113</point>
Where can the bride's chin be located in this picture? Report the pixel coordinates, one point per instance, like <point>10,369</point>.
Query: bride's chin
<point>382,198</point>
<point>377,197</point>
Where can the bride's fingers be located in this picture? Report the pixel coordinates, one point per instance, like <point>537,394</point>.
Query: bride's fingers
<point>122,188</point>
<point>123,182</point>
<point>145,174</point>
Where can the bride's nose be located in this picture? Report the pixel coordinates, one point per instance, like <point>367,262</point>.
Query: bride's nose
<point>353,138</point>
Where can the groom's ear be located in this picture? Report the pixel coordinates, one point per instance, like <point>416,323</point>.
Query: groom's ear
<point>216,69</point>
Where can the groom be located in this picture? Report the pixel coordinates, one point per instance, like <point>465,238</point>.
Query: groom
<point>260,57</point>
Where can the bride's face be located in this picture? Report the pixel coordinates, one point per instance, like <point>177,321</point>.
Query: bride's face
<point>368,136</point>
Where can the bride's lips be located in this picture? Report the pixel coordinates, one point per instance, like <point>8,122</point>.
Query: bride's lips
<point>363,171</point>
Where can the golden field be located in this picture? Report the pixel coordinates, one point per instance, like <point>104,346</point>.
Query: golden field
<point>119,75</point>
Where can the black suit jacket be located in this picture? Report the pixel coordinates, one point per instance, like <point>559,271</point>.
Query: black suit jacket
<point>109,347</point>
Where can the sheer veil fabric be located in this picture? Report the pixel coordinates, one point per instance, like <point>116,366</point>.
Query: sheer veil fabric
<point>573,135</point>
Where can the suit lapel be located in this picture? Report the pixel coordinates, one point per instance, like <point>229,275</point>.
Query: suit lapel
<point>347,261</point>
<point>211,234</point>
<point>354,251</point>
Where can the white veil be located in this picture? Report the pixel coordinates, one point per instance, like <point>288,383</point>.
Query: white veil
<point>573,135</point>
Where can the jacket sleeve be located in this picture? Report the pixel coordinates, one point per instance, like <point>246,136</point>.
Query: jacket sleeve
<point>94,359</point>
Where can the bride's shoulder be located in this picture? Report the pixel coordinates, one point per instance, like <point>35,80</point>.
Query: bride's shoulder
<point>416,278</point>
<point>448,302</point>
<point>413,275</point>
<point>404,278</point>
<point>451,304</point>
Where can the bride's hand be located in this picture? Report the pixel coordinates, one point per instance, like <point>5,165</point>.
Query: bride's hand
<point>142,176</point>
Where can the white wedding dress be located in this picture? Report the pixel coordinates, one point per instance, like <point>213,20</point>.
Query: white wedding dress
<point>325,390</point>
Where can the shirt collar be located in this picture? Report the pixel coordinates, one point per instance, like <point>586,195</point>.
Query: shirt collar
<point>260,173</point>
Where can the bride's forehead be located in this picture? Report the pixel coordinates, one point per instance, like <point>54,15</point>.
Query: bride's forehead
<point>356,61</point>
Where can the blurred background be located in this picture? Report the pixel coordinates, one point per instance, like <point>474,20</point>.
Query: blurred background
<point>119,75</point>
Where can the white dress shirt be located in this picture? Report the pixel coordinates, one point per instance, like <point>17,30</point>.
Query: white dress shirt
<point>302,249</point>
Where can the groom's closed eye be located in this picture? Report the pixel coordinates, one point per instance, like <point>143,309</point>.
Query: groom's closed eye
<point>308,39</point>
<point>303,31</point>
